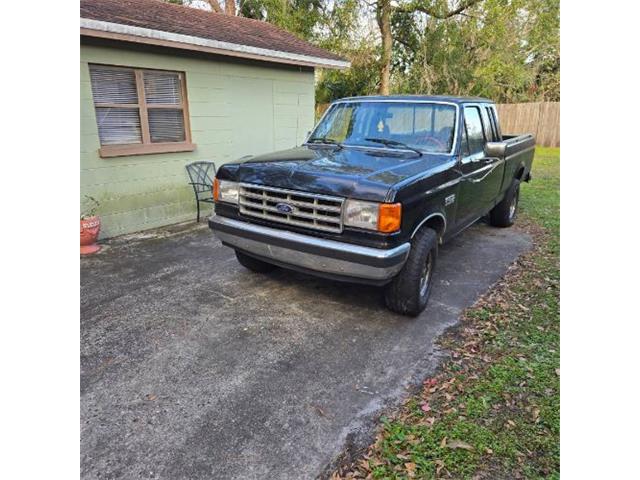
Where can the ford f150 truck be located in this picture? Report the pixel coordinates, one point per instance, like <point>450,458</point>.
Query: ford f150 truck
<point>376,187</point>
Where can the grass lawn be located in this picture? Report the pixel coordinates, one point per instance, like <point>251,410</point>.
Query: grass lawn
<point>493,409</point>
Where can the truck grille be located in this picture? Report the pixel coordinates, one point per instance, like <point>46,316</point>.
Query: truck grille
<point>319,212</point>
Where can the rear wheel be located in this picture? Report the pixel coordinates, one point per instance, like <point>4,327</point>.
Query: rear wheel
<point>504,213</point>
<point>408,293</point>
<point>254,264</point>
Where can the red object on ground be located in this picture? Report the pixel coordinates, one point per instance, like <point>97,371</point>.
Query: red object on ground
<point>89,230</point>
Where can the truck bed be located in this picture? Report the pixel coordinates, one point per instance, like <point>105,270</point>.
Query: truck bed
<point>518,157</point>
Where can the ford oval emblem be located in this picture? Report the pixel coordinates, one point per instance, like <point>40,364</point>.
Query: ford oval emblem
<point>284,208</point>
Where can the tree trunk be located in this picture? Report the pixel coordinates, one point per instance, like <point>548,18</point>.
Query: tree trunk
<point>230,7</point>
<point>383,16</point>
<point>215,6</point>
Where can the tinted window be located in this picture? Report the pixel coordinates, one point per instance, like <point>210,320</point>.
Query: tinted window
<point>494,119</point>
<point>473,125</point>
<point>488,127</point>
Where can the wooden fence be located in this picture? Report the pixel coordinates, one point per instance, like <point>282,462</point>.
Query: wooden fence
<point>539,118</point>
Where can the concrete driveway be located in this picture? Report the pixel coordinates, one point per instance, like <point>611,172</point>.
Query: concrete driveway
<point>193,367</point>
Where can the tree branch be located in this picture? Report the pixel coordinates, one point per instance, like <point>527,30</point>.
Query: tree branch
<point>419,6</point>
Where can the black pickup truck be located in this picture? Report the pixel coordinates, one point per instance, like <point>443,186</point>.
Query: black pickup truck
<point>376,187</point>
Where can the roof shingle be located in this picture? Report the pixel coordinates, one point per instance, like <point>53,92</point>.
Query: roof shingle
<point>177,19</point>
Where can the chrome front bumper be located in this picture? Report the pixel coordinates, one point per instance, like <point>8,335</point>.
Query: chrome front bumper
<point>315,255</point>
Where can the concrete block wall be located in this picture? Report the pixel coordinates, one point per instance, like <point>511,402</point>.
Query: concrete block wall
<point>235,109</point>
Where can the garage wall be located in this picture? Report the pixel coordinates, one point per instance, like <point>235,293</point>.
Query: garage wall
<point>235,109</point>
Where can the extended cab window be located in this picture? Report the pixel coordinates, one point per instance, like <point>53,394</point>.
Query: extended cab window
<point>140,111</point>
<point>494,121</point>
<point>474,132</point>
<point>488,126</point>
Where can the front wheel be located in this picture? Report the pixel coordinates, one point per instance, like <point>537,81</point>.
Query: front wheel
<point>409,291</point>
<point>504,213</point>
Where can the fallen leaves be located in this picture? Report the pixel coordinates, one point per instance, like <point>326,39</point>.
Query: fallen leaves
<point>430,383</point>
<point>428,421</point>
<point>320,411</point>
<point>536,415</point>
<point>410,467</point>
<point>453,444</point>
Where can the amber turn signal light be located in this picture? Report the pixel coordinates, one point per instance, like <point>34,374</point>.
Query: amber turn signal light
<point>216,189</point>
<point>389,215</point>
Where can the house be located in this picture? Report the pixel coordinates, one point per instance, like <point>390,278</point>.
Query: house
<point>163,85</point>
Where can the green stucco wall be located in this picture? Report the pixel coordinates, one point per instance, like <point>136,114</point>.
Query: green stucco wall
<point>236,109</point>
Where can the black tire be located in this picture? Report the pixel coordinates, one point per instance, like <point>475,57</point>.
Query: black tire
<point>408,293</point>
<point>254,264</point>
<point>504,214</point>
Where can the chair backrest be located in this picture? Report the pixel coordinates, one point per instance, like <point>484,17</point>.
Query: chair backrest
<point>201,175</point>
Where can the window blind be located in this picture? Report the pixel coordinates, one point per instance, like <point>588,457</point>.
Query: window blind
<point>113,85</point>
<point>118,125</point>
<point>135,106</point>
<point>162,88</point>
<point>166,125</point>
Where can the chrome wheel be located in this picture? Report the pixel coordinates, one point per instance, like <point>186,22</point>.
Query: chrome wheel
<point>426,275</point>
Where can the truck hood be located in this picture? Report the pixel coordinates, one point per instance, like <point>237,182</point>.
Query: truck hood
<point>347,172</point>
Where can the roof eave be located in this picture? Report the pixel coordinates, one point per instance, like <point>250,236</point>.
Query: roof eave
<point>128,33</point>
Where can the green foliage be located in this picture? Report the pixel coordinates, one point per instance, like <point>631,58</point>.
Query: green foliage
<point>360,79</point>
<point>506,50</point>
<point>297,16</point>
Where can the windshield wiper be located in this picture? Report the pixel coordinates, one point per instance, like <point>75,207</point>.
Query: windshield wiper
<point>393,143</point>
<point>325,140</point>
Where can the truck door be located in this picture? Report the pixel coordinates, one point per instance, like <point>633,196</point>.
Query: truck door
<point>481,175</point>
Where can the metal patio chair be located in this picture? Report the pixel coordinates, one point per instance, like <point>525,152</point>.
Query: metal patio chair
<point>201,175</point>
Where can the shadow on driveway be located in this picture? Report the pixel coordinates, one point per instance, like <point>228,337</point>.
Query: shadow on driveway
<point>193,367</point>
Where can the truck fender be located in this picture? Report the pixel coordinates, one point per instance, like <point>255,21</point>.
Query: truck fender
<point>435,220</point>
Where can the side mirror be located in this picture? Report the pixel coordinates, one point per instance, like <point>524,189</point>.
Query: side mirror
<point>495,149</point>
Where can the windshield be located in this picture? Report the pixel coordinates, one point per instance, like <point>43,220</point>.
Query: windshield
<point>428,127</point>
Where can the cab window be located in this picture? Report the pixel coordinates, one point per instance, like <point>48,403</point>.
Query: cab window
<point>494,121</point>
<point>488,126</point>
<point>474,131</point>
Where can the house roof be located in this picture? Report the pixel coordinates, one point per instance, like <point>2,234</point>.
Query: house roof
<point>160,23</point>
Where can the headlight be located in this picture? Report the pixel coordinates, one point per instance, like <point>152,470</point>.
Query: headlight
<point>225,191</point>
<point>382,217</point>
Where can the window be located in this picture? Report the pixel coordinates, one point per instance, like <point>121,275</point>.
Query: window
<point>488,127</point>
<point>473,126</point>
<point>426,126</point>
<point>140,111</point>
<point>494,122</point>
